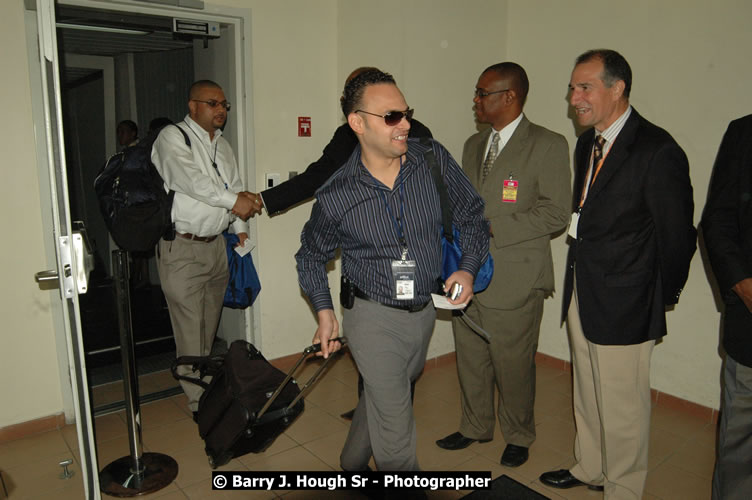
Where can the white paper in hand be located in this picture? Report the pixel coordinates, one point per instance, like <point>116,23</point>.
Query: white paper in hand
<point>246,248</point>
<point>442,302</point>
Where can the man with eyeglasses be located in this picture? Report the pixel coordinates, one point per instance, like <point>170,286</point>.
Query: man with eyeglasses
<point>382,210</point>
<point>193,266</point>
<point>522,172</point>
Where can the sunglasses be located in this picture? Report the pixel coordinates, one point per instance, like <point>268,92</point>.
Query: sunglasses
<point>392,118</point>
<point>213,104</point>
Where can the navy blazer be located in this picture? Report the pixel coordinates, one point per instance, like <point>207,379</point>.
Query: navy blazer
<point>727,233</point>
<point>635,236</point>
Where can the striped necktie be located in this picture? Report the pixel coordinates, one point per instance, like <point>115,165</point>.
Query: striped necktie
<point>597,155</point>
<point>491,156</point>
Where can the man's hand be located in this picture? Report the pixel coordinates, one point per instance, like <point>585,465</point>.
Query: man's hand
<point>466,280</point>
<point>256,200</point>
<point>241,239</point>
<point>243,207</point>
<point>328,329</point>
<point>744,290</point>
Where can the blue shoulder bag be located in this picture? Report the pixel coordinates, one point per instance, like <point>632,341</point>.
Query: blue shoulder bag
<point>450,247</point>
<point>244,285</point>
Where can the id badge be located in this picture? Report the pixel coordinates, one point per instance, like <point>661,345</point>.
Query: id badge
<point>573,225</point>
<point>509,192</point>
<point>403,276</point>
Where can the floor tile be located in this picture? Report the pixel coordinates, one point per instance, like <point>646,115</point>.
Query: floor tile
<point>681,445</point>
<point>671,483</point>
<point>32,449</point>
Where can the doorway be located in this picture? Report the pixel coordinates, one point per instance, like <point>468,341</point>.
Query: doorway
<point>117,66</point>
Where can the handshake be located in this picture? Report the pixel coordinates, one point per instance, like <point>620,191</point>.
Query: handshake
<point>247,205</point>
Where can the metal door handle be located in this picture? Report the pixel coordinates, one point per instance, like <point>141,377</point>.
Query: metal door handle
<point>49,275</point>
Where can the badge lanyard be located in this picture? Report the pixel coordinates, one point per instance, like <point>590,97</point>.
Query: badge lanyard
<point>398,221</point>
<point>403,270</point>
<point>213,160</point>
<point>592,175</point>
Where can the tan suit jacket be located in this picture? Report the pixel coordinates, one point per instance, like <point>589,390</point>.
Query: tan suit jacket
<point>539,160</point>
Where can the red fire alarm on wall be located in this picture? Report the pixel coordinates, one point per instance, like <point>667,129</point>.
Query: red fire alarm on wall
<point>304,126</point>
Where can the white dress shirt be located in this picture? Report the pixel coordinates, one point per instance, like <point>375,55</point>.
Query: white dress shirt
<point>204,196</point>
<point>504,135</point>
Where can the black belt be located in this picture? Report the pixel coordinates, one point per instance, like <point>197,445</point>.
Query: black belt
<point>193,237</point>
<point>409,308</point>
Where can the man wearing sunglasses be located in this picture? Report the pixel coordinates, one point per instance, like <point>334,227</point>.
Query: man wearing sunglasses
<point>382,210</point>
<point>193,266</point>
<point>335,154</point>
<point>522,172</point>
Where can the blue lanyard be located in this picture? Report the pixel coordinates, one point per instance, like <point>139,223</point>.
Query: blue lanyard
<point>398,221</point>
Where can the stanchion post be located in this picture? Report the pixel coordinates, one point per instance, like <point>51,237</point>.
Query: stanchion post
<point>137,473</point>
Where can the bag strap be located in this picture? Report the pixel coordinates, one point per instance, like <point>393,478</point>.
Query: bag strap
<point>201,363</point>
<point>446,209</point>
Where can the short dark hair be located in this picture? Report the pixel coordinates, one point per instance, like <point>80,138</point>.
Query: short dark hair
<point>201,84</point>
<point>615,67</point>
<point>354,89</point>
<point>517,76</point>
<point>130,125</point>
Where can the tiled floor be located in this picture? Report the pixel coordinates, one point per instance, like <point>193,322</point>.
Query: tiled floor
<point>681,445</point>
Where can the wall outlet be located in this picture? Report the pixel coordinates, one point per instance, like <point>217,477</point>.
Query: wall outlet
<point>272,180</point>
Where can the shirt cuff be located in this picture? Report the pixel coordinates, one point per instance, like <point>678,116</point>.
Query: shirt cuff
<point>321,300</point>
<point>228,199</point>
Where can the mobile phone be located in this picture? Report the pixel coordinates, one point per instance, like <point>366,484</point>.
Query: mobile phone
<point>455,291</point>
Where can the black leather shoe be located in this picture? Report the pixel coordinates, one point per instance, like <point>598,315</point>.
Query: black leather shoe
<point>563,479</point>
<point>514,455</point>
<point>348,415</point>
<point>457,441</point>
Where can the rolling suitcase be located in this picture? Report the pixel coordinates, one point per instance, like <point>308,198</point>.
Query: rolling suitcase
<point>248,402</point>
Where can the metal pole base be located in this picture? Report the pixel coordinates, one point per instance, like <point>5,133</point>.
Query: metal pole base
<point>117,479</point>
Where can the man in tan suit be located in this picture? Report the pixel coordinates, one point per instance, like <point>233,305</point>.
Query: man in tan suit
<point>522,172</point>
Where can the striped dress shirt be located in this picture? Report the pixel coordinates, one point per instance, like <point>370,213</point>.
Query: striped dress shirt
<point>350,213</point>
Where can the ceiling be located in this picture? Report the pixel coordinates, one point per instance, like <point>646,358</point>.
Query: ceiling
<point>158,36</point>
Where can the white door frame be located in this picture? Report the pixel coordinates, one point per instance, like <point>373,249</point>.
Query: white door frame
<point>51,160</point>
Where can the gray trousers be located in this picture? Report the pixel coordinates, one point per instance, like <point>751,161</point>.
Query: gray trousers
<point>732,478</point>
<point>389,347</point>
<point>194,278</point>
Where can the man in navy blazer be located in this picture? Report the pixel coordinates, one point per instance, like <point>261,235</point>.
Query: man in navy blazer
<point>631,242</point>
<point>727,232</point>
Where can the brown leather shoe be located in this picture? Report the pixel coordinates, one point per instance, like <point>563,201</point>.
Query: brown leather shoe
<point>564,479</point>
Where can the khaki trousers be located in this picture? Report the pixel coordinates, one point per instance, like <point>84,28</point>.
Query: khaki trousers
<point>611,412</point>
<point>194,278</point>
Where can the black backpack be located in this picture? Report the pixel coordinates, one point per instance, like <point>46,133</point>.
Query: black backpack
<point>132,197</point>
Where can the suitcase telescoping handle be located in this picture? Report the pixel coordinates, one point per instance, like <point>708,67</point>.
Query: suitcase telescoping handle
<point>306,352</point>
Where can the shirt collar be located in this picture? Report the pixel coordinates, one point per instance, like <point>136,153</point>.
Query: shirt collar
<point>199,130</point>
<point>506,133</point>
<point>613,130</point>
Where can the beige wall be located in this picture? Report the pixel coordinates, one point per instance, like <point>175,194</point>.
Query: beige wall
<point>28,362</point>
<point>691,77</point>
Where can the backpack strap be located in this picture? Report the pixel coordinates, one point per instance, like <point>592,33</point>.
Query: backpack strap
<point>170,233</point>
<point>446,209</point>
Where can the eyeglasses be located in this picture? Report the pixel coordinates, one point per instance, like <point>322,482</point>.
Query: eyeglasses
<point>392,118</point>
<point>480,93</point>
<point>213,104</point>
